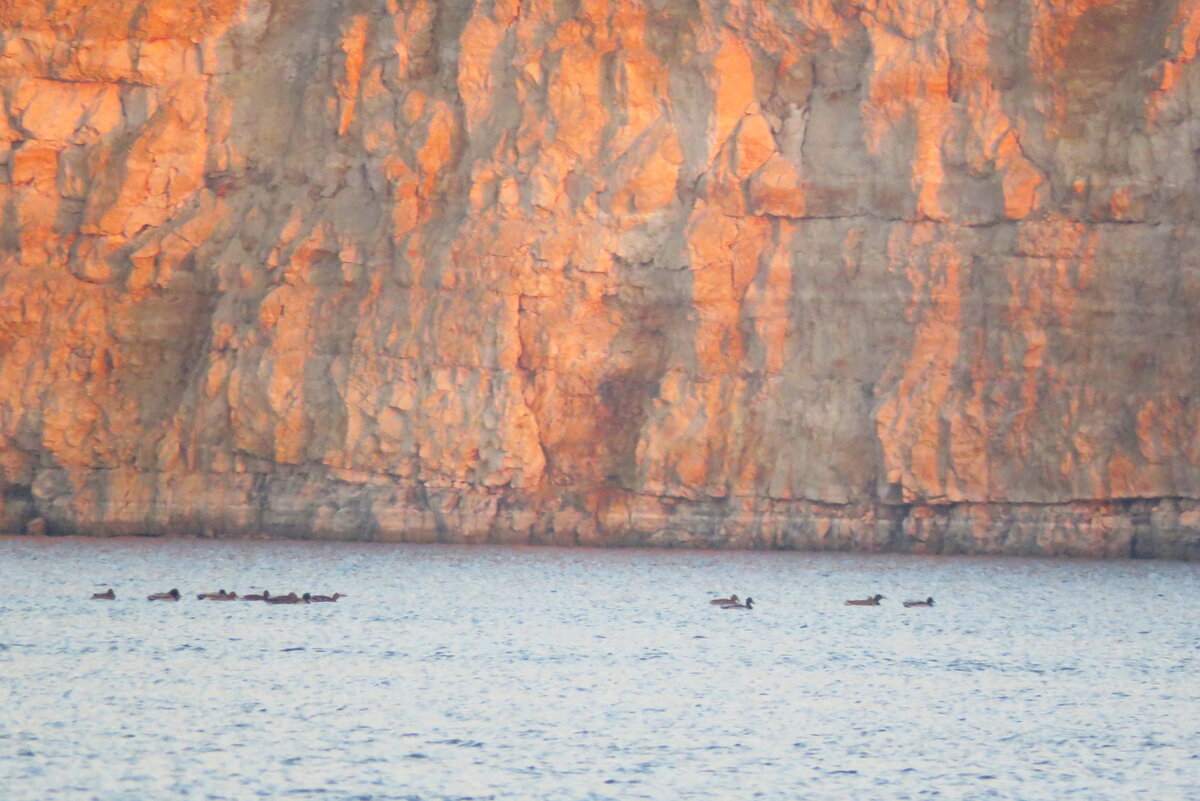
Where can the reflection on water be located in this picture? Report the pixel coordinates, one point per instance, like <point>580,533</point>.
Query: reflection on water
<point>456,672</point>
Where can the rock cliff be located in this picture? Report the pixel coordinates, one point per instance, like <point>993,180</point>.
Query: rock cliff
<point>854,274</point>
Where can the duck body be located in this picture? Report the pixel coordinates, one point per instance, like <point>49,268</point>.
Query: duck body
<point>866,601</point>
<point>926,602</point>
<point>732,599</point>
<point>325,599</point>
<point>107,595</point>
<point>257,597</point>
<point>748,605</point>
<point>173,595</point>
<point>219,595</point>
<point>290,598</point>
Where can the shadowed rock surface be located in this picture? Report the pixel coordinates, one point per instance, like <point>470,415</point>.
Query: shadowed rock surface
<point>843,275</point>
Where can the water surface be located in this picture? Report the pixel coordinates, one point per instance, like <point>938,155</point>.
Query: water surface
<point>457,672</point>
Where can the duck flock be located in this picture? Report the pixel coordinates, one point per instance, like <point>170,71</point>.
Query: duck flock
<point>732,602</point>
<point>220,595</point>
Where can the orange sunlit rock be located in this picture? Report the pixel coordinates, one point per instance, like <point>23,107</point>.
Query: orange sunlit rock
<point>902,275</point>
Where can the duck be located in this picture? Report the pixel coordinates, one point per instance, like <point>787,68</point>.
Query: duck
<point>326,599</point>
<point>748,605</point>
<point>926,602</point>
<point>173,595</point>
<point>290,598</point>
<point>219,595</point>
<point>866,601</point>
<point>107,595</point>
<point>732,599</point>
<point>257,597</point>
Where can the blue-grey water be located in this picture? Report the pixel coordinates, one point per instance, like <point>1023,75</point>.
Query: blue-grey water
<point>522,673</point>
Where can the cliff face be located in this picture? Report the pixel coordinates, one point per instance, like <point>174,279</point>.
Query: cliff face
<point>879,274</point>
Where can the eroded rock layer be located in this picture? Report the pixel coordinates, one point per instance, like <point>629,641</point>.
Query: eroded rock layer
<point>876,274</point>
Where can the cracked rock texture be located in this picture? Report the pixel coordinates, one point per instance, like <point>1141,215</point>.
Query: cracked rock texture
<point>843,274</point>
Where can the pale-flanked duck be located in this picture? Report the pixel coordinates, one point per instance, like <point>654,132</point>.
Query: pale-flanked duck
<point>926,602</point>
<point>748,605</point>
<point>732,599</point>
<point>173,595</point>
<point>107,595</point>
<point>290,598</point>
<point>866,601</point>
<point>256,596</point>
<point>326,599</point>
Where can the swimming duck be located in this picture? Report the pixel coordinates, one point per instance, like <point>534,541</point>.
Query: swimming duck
<point>866,601</point>
<point>326,599</point>
<point>748,605</point>
<point>257,597</point>
<point>290,598</point>
<point>219,595</point>
<point>173,595</point>
<point>732,599</point>
<point>926,602</point>
<point>107,595</point>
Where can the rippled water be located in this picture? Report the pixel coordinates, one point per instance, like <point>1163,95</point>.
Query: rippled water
<point>481,672</point>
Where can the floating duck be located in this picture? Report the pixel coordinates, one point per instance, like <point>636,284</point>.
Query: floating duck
<point>257,597</point>
<point>219,595</point>
<point>926,602</point>
<point>732,599</point>
<point>866,601</point>
<point>173,595</point>
<point>290,598</point>
<point>748,605</point>
<point>326,599</point>
<point>107,595</point>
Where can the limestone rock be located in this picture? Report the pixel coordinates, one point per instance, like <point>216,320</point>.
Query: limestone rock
<point>911,276</point>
